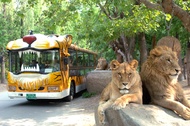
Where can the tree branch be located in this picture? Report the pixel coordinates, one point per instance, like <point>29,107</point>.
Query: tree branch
<point>151,5</point>
<point>168,6</point>
<point>104,10</point>
<point>121,53</point>
<point>107,13</point>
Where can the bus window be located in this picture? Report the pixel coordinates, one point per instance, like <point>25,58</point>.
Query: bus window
<point>71,61</point>
<point>86,59</point>
<point>91,60</point>
<point>35,61</point>
<point>79,59</point>
<point>50,61</point>
<point>56,64</point>
<point>72,58</point>
<point>14,64</point>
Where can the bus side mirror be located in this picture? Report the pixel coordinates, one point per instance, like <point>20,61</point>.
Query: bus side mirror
<point>66,60</point>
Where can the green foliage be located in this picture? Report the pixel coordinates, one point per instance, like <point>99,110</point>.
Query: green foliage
<point>87,21</point>
<point>8,31</point>
<point>5,1</point>
<point>88,94</point>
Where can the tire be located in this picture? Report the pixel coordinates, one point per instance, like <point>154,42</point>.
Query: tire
<point>31,100</point>
<point>72,93</point>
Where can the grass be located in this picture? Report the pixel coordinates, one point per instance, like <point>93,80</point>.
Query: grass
<point>87,94</point>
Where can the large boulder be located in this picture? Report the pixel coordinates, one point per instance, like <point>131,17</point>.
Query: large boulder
<point>97,80</point>
<point>142,115</point>
<point>145,115</point>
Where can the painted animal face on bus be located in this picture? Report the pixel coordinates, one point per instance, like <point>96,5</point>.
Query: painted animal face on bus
<point>34,52</point>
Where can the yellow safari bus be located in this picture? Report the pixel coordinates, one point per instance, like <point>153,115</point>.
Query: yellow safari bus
<point>47,67</point>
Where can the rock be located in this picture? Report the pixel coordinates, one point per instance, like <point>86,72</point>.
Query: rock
<point>142,115</point>
<point>97,80</point>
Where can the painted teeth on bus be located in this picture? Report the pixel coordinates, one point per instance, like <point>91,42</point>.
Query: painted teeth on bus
<point>47,67</point>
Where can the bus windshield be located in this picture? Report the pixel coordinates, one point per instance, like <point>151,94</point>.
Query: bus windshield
<point>45,61</point>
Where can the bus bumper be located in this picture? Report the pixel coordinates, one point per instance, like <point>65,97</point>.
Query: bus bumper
<point>39,95</point>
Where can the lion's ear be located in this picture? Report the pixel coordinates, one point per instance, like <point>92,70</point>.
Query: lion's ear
<point>114,64</point>
<point>175,53</point>
<point>155,52</point>
<point>158,51</point>
<point>134,64</point>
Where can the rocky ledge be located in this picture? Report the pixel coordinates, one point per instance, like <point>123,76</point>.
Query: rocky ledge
<point>142,115</point>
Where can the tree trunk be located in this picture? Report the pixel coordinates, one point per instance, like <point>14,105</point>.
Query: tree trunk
<point>143,49</point>
<point>180,78</point>
<point>118,49</point>
<point>22,28</point>
<point>119,57</point>
<point>3,80</point>
<point>131,47</point>
<point>153,41</point>
<point>123,47</point>
<point>123,40</point>
<point>184,68</point>
<point>188,64</point>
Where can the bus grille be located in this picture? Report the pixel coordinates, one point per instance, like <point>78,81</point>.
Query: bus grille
<point>39,89</point>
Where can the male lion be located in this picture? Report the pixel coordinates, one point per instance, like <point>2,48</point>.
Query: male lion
<point>102,64</point>
<point>159,74</point>
<point>124,88</point>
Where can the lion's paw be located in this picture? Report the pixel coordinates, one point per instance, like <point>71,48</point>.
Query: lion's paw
<point>101,116</point>
<point>186,114</point>
<point>118,104</point>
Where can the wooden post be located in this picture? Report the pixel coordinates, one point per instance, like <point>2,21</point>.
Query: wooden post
<point>3,80</point>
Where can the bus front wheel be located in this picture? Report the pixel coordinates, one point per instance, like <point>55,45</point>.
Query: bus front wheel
<point>72,92</point>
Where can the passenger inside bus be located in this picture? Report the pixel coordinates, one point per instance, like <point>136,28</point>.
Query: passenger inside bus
<point>47,64</point>
<point>42,67</point>
<point>33,64</point>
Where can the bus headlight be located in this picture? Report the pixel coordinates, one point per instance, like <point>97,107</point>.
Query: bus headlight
<point>53,88</point>
<point>12,88</point>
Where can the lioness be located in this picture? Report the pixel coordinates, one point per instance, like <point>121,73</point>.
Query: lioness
<point>159,74</point>
<point>124,88</point>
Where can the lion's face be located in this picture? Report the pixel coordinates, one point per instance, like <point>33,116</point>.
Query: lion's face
<point>165,62</point>
<point>124,75</point>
